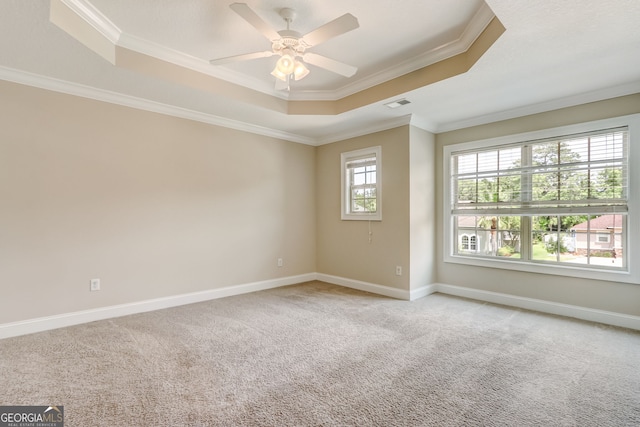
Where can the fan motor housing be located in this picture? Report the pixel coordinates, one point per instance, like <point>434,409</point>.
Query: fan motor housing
<point>290,39</point>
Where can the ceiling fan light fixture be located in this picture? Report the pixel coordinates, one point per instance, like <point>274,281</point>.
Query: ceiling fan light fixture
<point>285,64</point>
<point>300,71</point>
<point>279,75</point>
<point>291,45</point>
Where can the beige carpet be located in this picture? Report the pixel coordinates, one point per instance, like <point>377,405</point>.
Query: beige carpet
<point>320,355</point>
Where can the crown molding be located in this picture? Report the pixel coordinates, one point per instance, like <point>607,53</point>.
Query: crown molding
<point>83,91</point>
<point>472,31</point>
<point>200,65</point>
<point>378,126</point>
<point>111,32</point>
<point>95,18</point>
<point>556,104</point>
<point>101,23</point>
<point>422,123</point>
<point>62,86</point>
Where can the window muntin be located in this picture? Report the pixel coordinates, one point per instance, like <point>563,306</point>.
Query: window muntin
<point>587,171</point>
<point>361,184</point>
<point>555,187</point>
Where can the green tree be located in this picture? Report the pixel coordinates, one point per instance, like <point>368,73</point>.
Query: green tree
<point>507,227</point>
<point>550,222</point>
<point>550,183</point>
<point>556,246</point>
<point>607,184</point>
<point>364,200</point>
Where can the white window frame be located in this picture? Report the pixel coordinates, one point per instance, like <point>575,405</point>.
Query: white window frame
<point>345,159</point>
<point>632,241</point>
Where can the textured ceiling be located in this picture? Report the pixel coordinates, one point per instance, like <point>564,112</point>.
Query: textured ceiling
<point>552,54</point>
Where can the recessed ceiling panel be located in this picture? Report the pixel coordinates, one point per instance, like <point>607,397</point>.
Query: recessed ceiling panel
<point>392,37</point>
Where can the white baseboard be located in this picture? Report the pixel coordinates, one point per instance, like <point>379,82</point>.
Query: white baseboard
<point>422,292</point>
<point>40,324</point>
<point>365,286</point>
<point>584,313</point>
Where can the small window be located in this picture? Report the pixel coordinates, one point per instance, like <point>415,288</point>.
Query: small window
<point>603,237</point>
<point>465,243</point>
<point>468,242</point>
<point>472,243</point>
<point>361,184</point>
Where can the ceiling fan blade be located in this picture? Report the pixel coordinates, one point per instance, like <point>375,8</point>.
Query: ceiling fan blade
<point>245,57</point>
<point>330,64</point>
<point>252,18</point>
<point>341,25</point>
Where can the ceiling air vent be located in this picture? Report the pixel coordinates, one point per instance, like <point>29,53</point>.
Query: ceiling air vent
<point>397,103</point>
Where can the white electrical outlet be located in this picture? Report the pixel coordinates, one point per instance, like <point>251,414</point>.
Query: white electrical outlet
<point>95,285</point>
<point>280,262</point>
<point>398,270</point>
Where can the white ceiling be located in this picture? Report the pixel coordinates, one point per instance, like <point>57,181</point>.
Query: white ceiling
<point>552,54</point>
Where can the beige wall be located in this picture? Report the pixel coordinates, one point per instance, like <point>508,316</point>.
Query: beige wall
<point>152,205</point>
<point>610,296</point>
<point>343,247</point>
<point>159,206</point>
<point>422,213</point>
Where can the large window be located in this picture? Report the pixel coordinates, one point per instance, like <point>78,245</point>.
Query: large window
<point>536,201</point>
<point>361,189</point>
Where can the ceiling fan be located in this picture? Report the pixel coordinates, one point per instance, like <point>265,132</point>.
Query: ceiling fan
<point>291,46</point>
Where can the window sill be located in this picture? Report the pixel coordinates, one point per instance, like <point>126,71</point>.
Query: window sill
<point>361,218</point>
<point>547,268</point>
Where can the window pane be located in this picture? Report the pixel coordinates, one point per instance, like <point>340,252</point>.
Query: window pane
<point>466,192</point>
<point>575,150</point>
<point>509,188</point>
<point>371,176</point>
<point>552,239</point>
<point>467,163</point>
<point>358,178</point>
<point>607,146</point>
<point>370,192</point>
<point>470,230</point>
<point>487,161</point>
<point>546,153</point>
<point>488,236</point>
<point>606,183</point>
<point>487,190</point>
<point>574,185</point>
<point>581,168</point>
<point>579,239</point>
<point>545,186</point>
<point>507,236</point>
<point>510,158</point>
<point>599,240</point>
